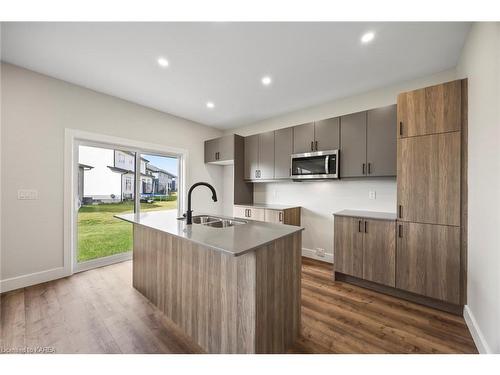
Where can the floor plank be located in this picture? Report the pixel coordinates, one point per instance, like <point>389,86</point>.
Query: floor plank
<point>98,311</point>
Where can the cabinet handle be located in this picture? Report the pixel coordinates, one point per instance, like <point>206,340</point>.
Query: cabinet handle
<point>249,212</point>
<point>401,128</point>
<point>369,168</point>
<point>400,211</point>
<point>316,145</point>
<point>280,217</point>
<point>359,226</point>
<point>365,227</point>
<point>312,146</point>
<point>364,168</point>
<point>400,231</point>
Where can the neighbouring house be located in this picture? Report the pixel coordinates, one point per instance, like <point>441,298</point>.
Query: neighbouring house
<point>112,176</point>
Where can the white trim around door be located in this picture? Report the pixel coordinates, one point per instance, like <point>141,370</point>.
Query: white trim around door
<point>74,137</point>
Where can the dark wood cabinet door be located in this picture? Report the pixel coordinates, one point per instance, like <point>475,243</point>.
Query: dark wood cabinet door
<point>251,156</point>
<point>353,145</point>
<point>283,146</point>
<point>211,149</point>
<point>381,141</point>
<point>428,260</point>
<point>432,110</point>
<point>411,113</point>
<point>327,134</point>
<point>266,156</point>
<point>429,179</point>
<point>348,242</point>
<point>303,138</point>
<point>379,251</point>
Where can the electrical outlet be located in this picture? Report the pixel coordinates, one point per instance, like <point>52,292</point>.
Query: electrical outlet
<point>320,252</point>
<point>372,194</point>
<point>27,194</point>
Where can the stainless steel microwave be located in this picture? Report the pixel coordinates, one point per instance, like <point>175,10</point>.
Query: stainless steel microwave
<point>315,165</point>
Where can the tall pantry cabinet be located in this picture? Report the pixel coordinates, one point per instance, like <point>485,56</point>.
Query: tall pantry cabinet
<point>431,191</point>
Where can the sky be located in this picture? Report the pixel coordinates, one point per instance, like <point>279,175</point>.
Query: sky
<point>163,162</point>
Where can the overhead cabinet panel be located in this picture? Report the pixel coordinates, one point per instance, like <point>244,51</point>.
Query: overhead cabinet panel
<point>266,156</point>
<point>211,149</point>
<point>283,149</point>
<point>303,138</point>
<point>327,134</point>
<point>428,260</point>
<point>429,179</point>
<point>353,145</point>
<point>381,142</point>
<point>251,156</point>
<point>432,110</point>
<point>220,150</point>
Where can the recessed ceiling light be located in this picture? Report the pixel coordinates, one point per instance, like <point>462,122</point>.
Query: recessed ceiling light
<point>367,37</point>
<point>266,80</point>
<point>163,62</point>
<point>210,105</point>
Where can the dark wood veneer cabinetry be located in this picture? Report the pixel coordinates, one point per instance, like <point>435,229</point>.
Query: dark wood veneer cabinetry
<point>366,248</point>
<point>428,260</point>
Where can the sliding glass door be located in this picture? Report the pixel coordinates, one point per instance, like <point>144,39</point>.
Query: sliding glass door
<point>112,180</point>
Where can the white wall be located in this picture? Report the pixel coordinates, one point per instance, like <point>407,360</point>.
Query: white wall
<point>35,111</point>
<point>480,63</point>
<point>319,200</point>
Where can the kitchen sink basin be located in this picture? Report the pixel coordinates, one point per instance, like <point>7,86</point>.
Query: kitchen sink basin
<point>224,223</point>
<point>216,222</point>
<point>204,219</point>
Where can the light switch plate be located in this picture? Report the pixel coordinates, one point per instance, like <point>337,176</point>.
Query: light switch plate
<point>27,194</point>
<point>372,194</point>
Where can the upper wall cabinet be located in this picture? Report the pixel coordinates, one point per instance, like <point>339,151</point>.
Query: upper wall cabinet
<point>316,136</point>
<point>220,150</point>
<point>303,138</point>
<point>353,145</point>
<point>327,134</point>
<point>283,149</point>
<point>431,110</point>
<point>368,143</point>
<point>381,143</point>
<point>259,156</point>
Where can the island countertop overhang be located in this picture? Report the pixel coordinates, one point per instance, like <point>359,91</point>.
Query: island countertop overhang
<point>235,240</point>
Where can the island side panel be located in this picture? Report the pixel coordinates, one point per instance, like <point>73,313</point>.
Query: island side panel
<point>278,287</point>
<point>210,295</point>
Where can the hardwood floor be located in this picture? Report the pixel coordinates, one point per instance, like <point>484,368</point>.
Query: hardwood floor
<point>98,311</point>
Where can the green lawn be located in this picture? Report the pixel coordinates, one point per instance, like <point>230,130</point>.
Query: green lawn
<point>100,234</point>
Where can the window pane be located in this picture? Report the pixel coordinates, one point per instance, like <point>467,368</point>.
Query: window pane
<point>159,176</point>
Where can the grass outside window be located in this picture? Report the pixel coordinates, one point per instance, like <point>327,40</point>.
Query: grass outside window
<point>100,234</point>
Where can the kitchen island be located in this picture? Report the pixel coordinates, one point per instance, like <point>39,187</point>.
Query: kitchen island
<point>232,289</point>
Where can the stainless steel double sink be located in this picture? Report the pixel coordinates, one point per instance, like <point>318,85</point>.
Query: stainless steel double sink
<point>216,222</point>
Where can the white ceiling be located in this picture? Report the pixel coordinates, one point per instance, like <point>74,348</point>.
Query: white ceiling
<point>310,63</point>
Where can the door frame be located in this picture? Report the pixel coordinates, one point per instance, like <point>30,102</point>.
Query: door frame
<point>74,138</point>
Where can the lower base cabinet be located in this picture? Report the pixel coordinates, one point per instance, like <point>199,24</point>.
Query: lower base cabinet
<point>428,260</point>
<point>423,259</point>
<point>290,216</point>
<point>366,248</point>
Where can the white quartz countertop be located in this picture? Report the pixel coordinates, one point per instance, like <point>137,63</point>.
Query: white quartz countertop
<point>368,214</point>
<point>267,205</point>
<point>235,240</point>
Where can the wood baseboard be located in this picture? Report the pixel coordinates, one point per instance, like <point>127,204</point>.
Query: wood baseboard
<point>412,297</point>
